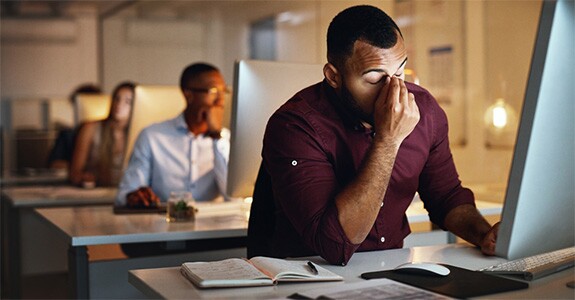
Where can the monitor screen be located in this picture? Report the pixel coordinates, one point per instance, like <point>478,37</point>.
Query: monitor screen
<point>260,87</point>
<point>538,212</point>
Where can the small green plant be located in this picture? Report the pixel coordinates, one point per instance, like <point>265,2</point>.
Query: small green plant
<point>181,206</point>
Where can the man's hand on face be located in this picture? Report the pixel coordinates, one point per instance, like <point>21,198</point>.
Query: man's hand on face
<point>395,114</point>
<point>213,115</point>
<point>142,198</point>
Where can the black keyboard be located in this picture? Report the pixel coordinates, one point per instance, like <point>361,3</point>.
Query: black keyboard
<point>536,266</point>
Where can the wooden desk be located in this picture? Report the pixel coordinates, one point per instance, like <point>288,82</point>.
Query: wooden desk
<point>17,205</point>
<point>98,225</point>
<point>168,283</point>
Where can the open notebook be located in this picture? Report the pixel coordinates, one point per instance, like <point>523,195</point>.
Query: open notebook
<point>257,271</point>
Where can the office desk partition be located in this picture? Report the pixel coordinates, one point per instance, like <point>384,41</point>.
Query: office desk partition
<point>17,205</point>
<point>168,283</point>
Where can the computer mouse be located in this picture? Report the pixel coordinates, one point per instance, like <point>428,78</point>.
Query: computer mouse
<point>422,268</point>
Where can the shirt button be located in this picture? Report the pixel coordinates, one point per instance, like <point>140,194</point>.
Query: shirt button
<point>382,239</point>
<point>381,204</point>
<point>294,163</point>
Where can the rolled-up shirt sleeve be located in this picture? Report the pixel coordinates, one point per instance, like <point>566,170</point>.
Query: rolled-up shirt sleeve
<point>439,186</point>
<point>305,185</point>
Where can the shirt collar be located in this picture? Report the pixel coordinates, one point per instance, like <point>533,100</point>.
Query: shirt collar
<point>180,122</point>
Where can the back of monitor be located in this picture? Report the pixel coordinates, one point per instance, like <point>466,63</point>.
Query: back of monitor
<point>153,104</point>
<point>91,107</point>
<point>260,88</point>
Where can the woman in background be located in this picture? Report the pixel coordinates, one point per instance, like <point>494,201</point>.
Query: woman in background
<point>61,153</point>
<point>100,145</point>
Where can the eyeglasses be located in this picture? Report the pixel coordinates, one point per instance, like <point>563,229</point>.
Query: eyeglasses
<point>213,93</point>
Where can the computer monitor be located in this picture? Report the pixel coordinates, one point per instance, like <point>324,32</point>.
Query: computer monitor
<point>538,212</point>
<point>260,88</point>
<point>152,104</point>
<point>91,107</point>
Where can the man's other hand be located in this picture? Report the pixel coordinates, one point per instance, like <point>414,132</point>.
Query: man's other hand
<point>488,243</point>
<point>142,198</point>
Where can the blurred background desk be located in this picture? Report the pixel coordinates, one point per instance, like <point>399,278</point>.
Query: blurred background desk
<point>23,241</point>
<point>80,227</point>
<point>34,177</point>
<point>168,283</point>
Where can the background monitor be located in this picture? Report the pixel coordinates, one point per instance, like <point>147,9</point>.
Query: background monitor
<point>260,88</point>
<point>91,107</point>
<point>152,104</point>
<point>538,212</point>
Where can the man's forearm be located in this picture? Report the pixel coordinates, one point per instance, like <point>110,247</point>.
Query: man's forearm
<point>359,203</point>
<point>466,222</point>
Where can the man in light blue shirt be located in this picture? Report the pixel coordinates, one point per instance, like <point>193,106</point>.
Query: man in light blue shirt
<point>187,153</point>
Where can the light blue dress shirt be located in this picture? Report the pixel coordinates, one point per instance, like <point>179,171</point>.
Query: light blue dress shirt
<point>167,157</point>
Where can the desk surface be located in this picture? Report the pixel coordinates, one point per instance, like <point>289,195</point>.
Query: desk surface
<point>98,225</point>
<point>84,226</point>
<point>416,212</point>
<point>51,196</point>
<point>168,283</point>
<point>34,178</point>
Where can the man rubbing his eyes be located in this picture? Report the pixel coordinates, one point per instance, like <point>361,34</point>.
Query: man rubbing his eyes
<point>343,159</point>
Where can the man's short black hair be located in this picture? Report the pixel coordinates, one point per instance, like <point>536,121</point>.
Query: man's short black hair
<point>193,71</point>
<point>363,22</point>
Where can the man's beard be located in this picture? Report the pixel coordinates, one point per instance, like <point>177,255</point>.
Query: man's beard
<point>350,103</point>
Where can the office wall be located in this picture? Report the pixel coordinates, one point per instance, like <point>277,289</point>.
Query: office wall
<point>154,47</point>
<point>48,57</point>
<point>155,50</point>
<point>499,42</point>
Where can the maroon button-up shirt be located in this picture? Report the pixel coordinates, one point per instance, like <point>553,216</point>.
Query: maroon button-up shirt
<point>313,148</point>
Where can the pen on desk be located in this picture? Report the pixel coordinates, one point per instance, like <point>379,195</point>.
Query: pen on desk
<point>312,267</point>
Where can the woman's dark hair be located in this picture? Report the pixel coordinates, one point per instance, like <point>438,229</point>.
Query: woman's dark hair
<point>86,88</point>
<point>125,84</point>
<point>364,23</point>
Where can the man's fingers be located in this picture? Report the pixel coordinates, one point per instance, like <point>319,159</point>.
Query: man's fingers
<point>404,94</point>
<point>385,90</point>
<point>395,91</point>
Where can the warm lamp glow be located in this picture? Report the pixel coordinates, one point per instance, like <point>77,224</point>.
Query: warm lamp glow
<point>500,124</point>
<point>499,117</point>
